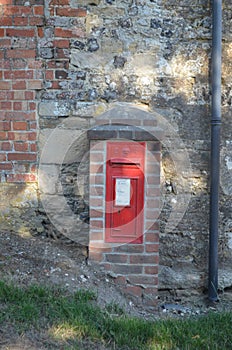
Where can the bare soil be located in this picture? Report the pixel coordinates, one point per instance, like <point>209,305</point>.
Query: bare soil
<point>26,260</point>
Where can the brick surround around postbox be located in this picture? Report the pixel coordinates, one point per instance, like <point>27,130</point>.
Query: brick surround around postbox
<point>133,264</point>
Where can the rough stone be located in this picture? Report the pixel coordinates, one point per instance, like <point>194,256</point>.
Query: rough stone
<point>54,109</point>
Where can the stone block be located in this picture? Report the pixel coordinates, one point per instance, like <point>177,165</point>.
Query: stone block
<point>54,109</point>
<point>62,146</point>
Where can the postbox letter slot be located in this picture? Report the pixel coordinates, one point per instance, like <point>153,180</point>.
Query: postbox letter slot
<point>122,161</point>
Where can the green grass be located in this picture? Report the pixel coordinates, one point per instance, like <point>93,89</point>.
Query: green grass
<point>71,319</point>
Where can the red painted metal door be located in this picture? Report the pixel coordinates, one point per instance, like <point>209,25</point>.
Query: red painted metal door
<point>124,192</point>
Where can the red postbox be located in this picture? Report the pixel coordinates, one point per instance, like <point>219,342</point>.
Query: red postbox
<point>124,192</point>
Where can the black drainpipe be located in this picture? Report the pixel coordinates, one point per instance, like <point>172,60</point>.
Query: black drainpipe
<point>215,149</point>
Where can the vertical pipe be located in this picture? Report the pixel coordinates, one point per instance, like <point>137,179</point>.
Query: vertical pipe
<point>215,149</point>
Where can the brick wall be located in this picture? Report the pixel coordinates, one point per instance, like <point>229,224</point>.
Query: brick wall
<point>35,39</point>
<point>21,77</point>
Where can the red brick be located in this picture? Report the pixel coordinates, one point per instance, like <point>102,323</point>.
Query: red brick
<point>3,95</point>
<point>95,213</point>
<point>97,202</point>
<point>3,115</point>
<point>97,157</point>
<point>62,32</point>
<point>33,147</point>
<point>6,105</point>
<point>61,43</point>
<point>33,168</point>
<point>96,190</point>
<point>5,85</point>
<point>153,180</point>
<point>5,146</point>
<point>96,179</point>
<point>55,85</point>
<point>130,248</point>
<point>2,32</point>
<point>58,64</point>
<point>36,65</point>
<point>38,10</point>
<point>18,95</point>
<point>21,178</point>
<point>152,237</point>
<point>22,156</point>
<point>22,136</point>
<point>6,2</point>
<point>32,136</point>
<point>6,166</point>
<point>153,168</point>
<point>6,21</point>
<point>3,135</point>
<point>51,11</point>
<point>29,95</point>
<point>49,74</point>
<point>36,21</point>
<point>151,270</point>
<point>61,53</point>
<point>152,214</point>
<point>125,269</point>
<point>40,32</point>
<point>20,32</point>
<point>32,106</point>
<point>21,146</point>
<point>5,42</point>
<point>20,21</point>
<point>18,63</point>
<point>19,115</point>
<point>4,125</point>
<point>96,168</point>
<point>154,227</point>
<point>19,125</point>
<point>142,259</point>
<point>116,258</point>
<point>19,74</point>
<point>17,106</point>
<point>71,12</point>
<point>2,157</point>
<point>19,85</point>
<point>18,136</point>
<point>17,10</point>
<point>96,223</point>
<point>96,236</point>
<point>152,248</point>
<point>19,53</point>
<point>5,64</point>
<point>35,84</point>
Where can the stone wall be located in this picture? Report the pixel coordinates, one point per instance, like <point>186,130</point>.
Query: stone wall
<point>64,62</point>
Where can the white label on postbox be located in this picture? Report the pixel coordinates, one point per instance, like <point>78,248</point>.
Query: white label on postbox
<point>122,190</point>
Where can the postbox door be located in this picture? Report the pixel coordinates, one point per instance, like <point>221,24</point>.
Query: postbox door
<point>124,201</point>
